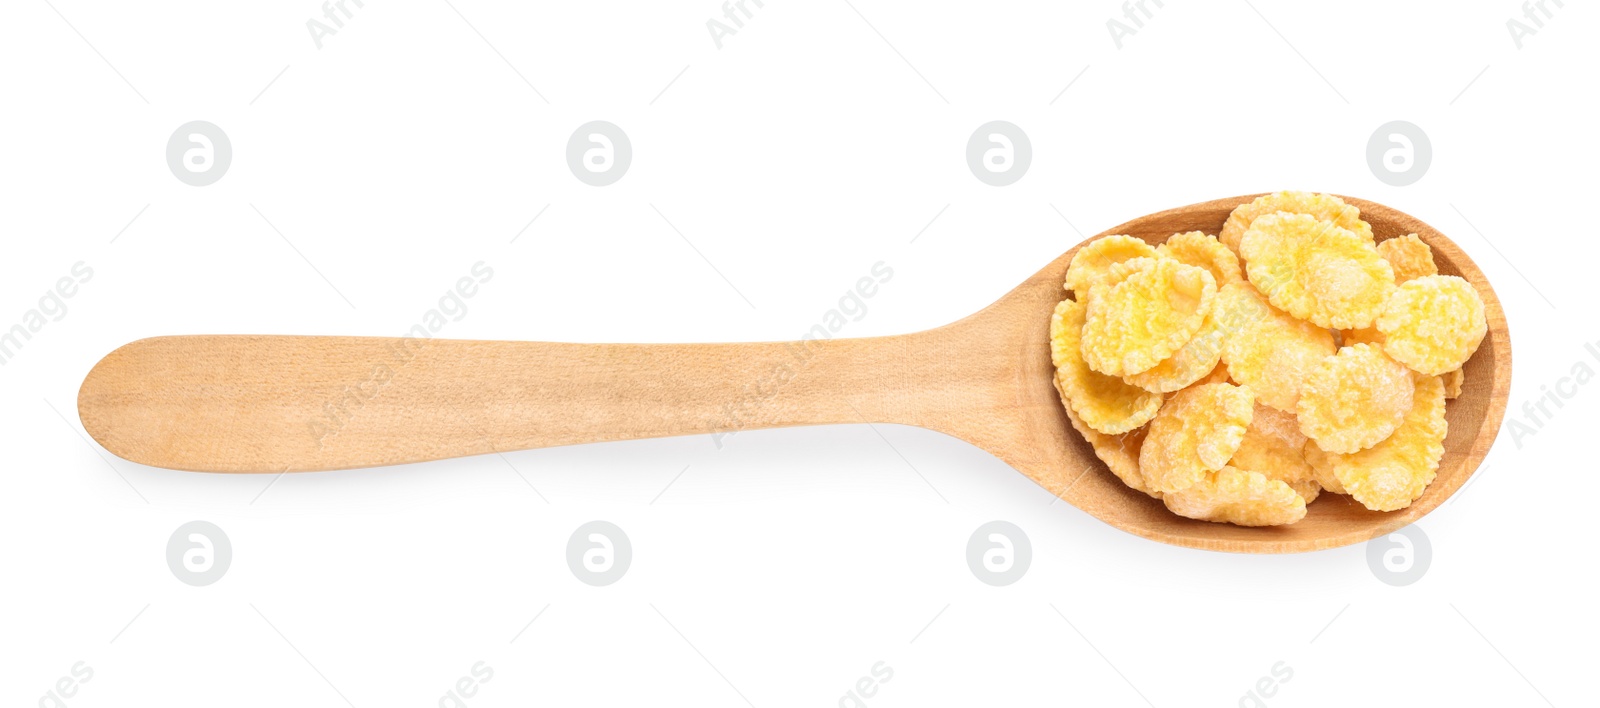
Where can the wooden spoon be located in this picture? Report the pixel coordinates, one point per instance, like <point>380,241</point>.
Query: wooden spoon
<point>274,403</point>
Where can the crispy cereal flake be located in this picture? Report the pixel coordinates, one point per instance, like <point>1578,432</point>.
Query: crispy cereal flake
<point>1392,474</point>
<point>1202,251</point>
<point>1316,270</point>
<point>1092,263</point>
<point>1240,497</point>
<point>1453,379</point>
<point>1266,349</point>
<point>1354,399</point>
<point>1409,257</point>
<point>1308,490</point>
<point>1119,452</point>
<point>1325,207</point>
<point>1198,357</point>
<point>1196,432</point>
<point>1104,403</point>
<point>1217,375</point>
<point>1433,324</point>
<point>1147,316</point>
<point>1365,335</point>
<point>1272,446</point>
<point>1322,467</point>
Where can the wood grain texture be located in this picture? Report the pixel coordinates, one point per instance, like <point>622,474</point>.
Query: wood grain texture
<point>271,403</point>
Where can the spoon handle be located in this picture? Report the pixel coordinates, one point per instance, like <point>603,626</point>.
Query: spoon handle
<point>271,403</point>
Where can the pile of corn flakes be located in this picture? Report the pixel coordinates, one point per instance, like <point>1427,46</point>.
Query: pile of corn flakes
<point>1237,378</point>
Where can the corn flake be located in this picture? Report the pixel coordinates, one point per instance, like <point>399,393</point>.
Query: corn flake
<point>1202,251</point>
<point>1266,349</point>
<point>1119,452</point>
<point>1409,257</point>
<point>1104,403</point>
<point>1316,270</point>
<point>1308,490</point>
<point>1153,311</point>
<point>1365,335</point>
<point>1392,474</point>
<point>1354,399</point>
<point>1325,207</point>
<point>1196,432</point>
<point>1322,468</point>
<point>1242,497</point>
<point>1453,380</point>
<point>1217,375</point>
<point>1272,446</point>
<point>1091,265</point>
<point>1433,324</point>
<point>1198,358</point>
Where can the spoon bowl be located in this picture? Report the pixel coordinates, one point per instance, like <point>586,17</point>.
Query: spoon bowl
<point>282,403</point>
<point>1333,519</point>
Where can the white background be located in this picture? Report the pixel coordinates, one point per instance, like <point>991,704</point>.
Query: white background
<point>780,569</point>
